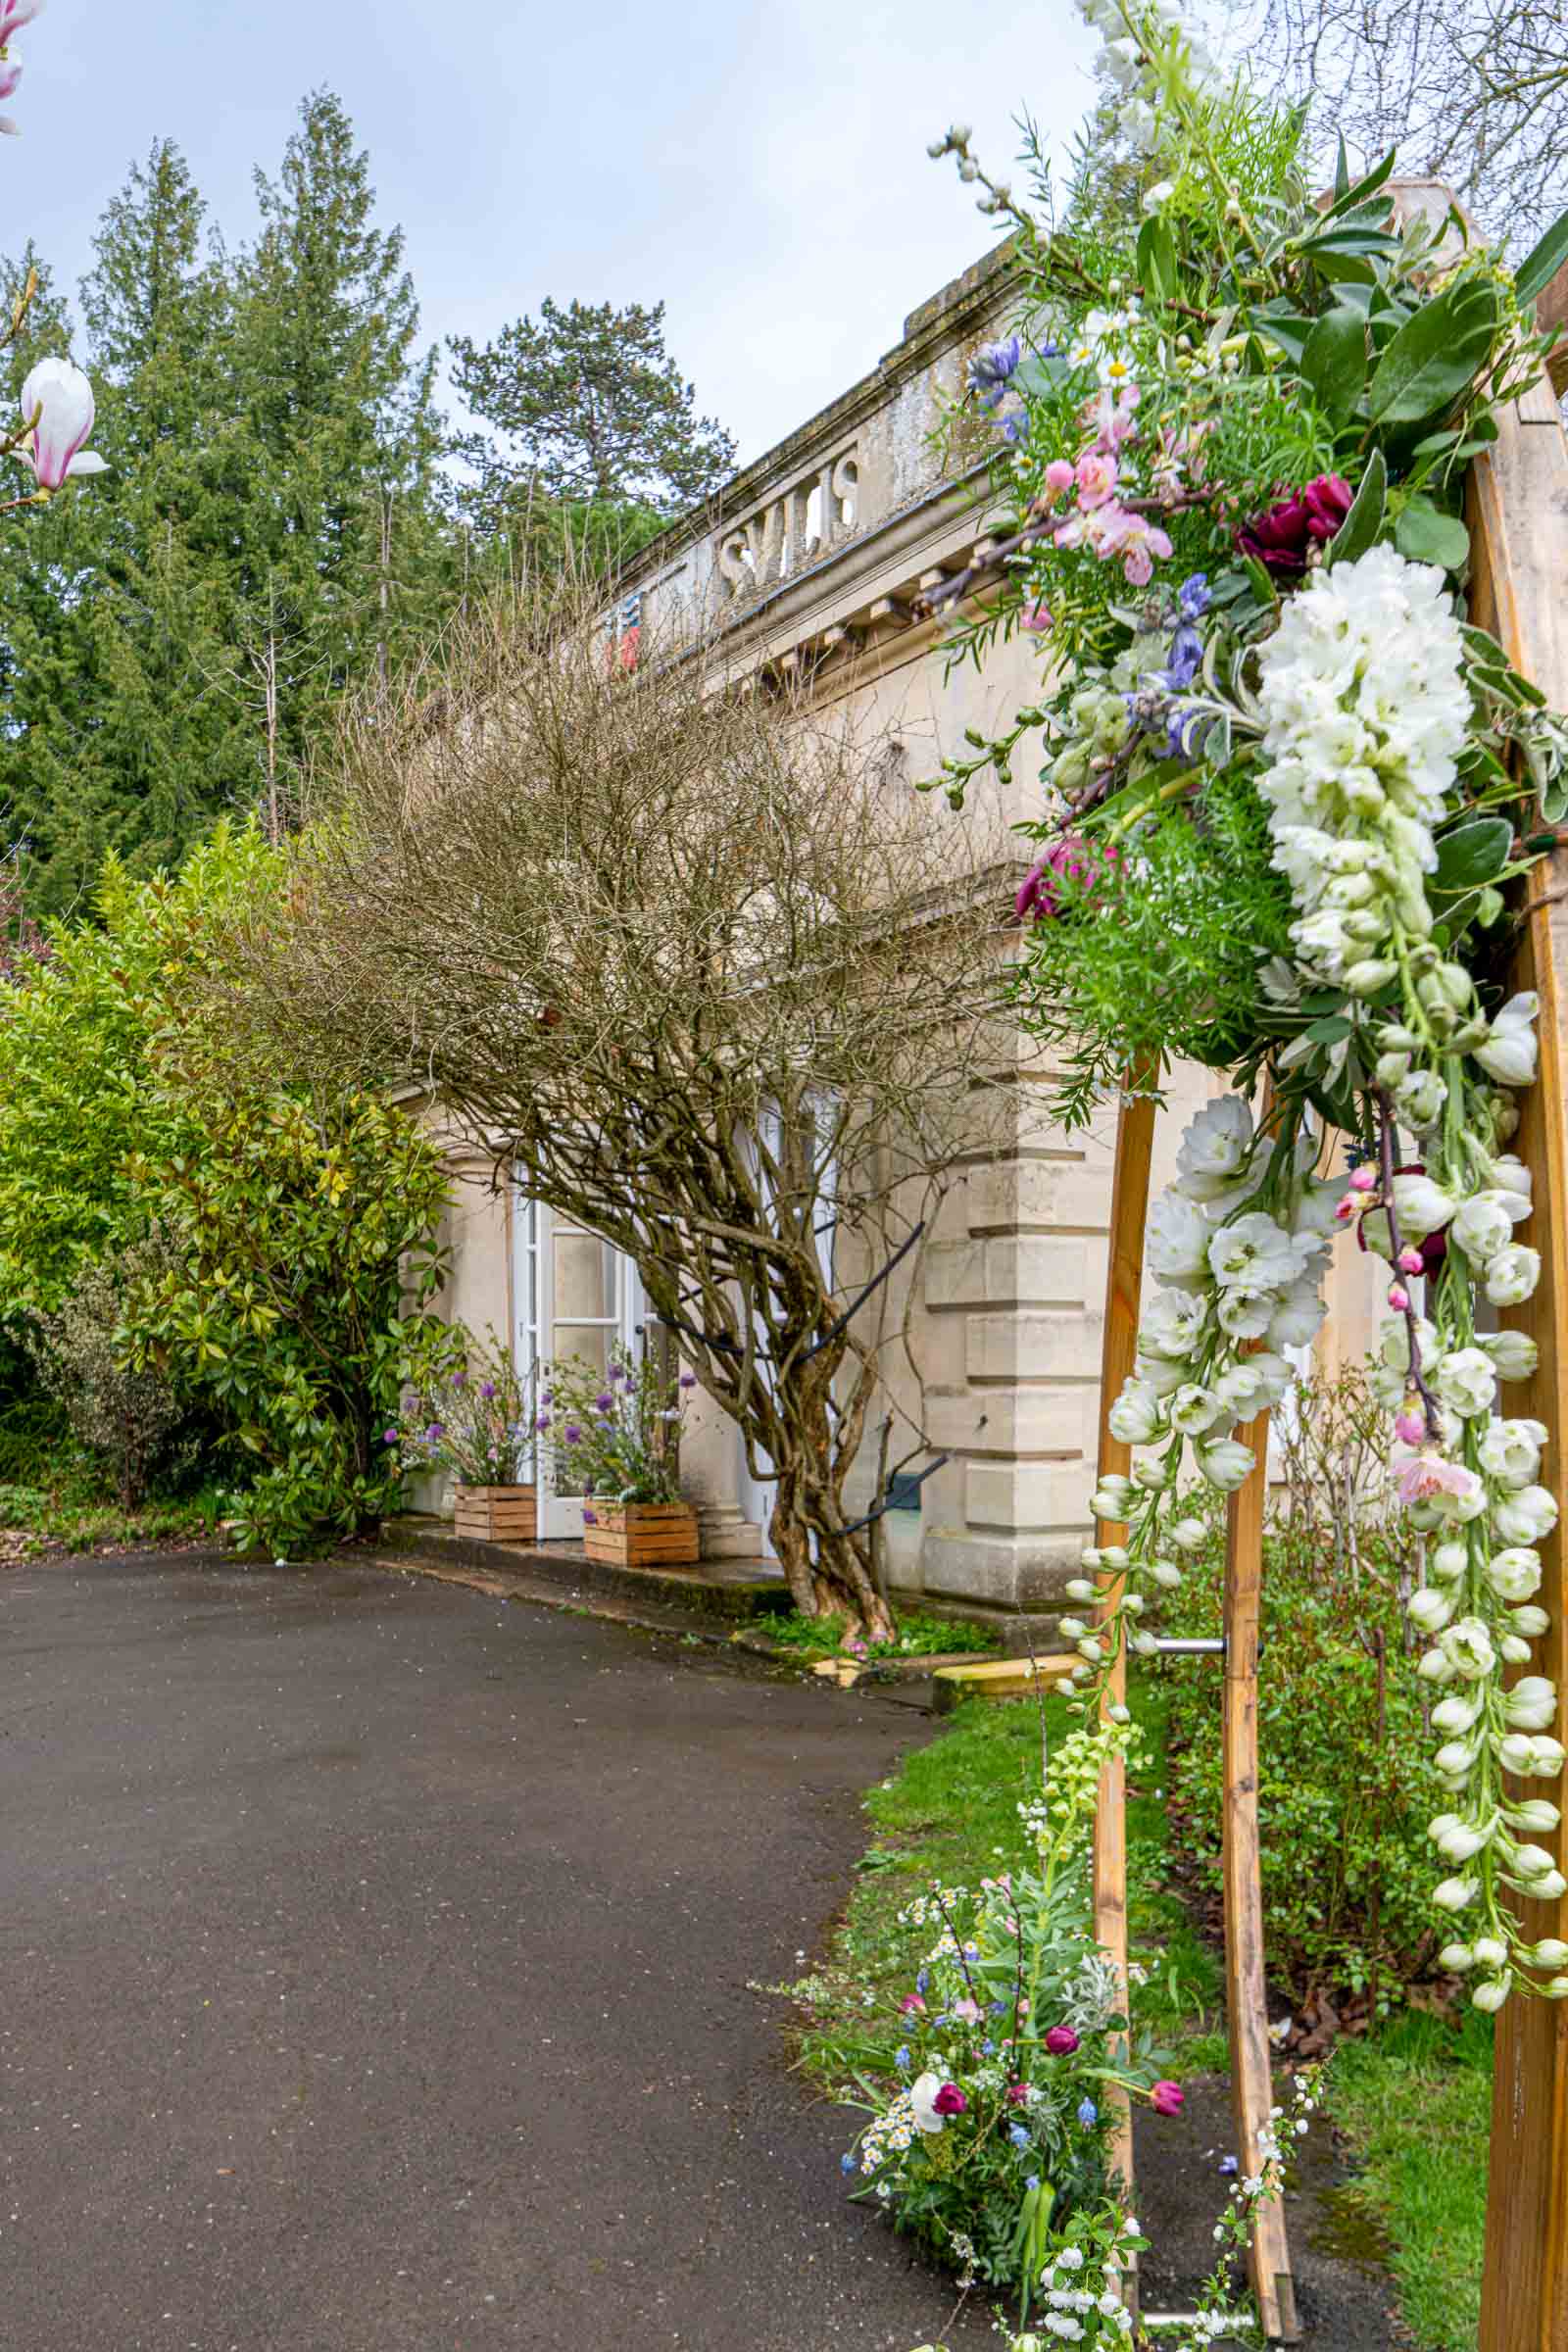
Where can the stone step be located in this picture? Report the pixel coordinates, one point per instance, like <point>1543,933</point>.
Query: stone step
<point>998,1677</point>
<point>729,1592</point>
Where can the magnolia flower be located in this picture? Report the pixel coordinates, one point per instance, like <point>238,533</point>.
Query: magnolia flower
<point>1468,1380</point>
<point>1513,1275</point>
<point>58,407</point>
<point>1509,1052</point>
<point>1526,1517</point>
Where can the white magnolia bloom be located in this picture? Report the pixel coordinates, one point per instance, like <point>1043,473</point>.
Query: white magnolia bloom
<point>1513,1275</point>
<point>1514,1353</point>
<point>1514,1573</point>
<point>1214,1147</point>
<point>1468,1380</point>
<point>1484,1224</point>
<point>1525,1516</point>
<point>1511,1451</point>
<point>1177,1241</point>
<point>57,404</point>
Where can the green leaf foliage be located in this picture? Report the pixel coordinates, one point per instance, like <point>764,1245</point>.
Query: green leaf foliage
<point>1472,853</point>
<point>1432,358</point>
<point>1334,360</point>
<point>1428,536</point>
<point>1361,526</point>
<point>1543,262</point>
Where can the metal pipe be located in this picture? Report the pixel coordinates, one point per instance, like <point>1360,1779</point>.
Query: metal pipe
<point>1199,1646</point>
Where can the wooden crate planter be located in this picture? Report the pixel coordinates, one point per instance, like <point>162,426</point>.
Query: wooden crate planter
<point>641,1535</point>
<point>497,1514</point>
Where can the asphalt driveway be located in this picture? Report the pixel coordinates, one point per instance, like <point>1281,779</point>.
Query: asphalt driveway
<point>373,1973</point>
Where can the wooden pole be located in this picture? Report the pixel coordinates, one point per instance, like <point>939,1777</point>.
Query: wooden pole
<point>1245,1982</point>
<point>1129,1213</point>
<point>1519,540</point>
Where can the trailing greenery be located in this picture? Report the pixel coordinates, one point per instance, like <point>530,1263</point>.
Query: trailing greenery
<point>76,1518</point>
<point>1414,2104</point>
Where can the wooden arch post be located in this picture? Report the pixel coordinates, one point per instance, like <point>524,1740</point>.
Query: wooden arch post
<point>1252,2080</point>
<point>1519,545</point>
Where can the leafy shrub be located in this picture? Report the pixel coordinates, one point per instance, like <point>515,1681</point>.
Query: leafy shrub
<point>124,1416</point>
<point>918,1636</point>
<point>1345,1784</point>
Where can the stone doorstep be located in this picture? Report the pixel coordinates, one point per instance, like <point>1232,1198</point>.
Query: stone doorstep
<point>728,1591</point>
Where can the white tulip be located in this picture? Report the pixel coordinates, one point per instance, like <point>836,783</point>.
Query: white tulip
<point>922,2094</point>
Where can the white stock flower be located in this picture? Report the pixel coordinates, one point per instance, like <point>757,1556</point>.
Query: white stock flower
<point>1513,1275</point>
<point>1526,1517</point>
<point>1468,1380</point>
<point>1511,1451</point>
<point>1214,1148</point>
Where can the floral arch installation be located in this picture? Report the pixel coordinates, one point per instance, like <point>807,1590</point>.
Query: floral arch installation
<point>1517,515</point>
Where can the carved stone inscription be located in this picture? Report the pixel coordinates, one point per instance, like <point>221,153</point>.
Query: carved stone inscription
<point>804,521</point>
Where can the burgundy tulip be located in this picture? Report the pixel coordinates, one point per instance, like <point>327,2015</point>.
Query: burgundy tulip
<point>1283,537</point>
<point>1061,2041</point>
<point>1167,2099</point>
<point>949,2100</point>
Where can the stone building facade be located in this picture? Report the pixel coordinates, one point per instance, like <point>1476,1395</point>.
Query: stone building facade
<point>816,555</point>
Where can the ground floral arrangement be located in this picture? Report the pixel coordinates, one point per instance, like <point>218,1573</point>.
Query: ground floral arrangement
<point>1287,783</point>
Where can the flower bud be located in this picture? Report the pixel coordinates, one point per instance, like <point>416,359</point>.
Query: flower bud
<point>1492,1994</point>
<point>1457,1958</point>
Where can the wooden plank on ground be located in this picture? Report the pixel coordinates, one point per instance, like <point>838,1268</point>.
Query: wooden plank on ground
<point>1129,1213</point>
<point>1519,535</point>
<point>1245,1982</point>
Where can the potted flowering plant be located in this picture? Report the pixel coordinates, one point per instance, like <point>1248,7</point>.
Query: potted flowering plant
<point>477,1423</point>
<point>620,1430</point>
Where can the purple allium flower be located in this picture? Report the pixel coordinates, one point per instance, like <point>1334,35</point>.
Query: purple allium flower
<point>1194,596</point>
<point>688,1380</point>
<point>572,1434</point>
<point>487,1390</point>
<point>435,1433</point>
<point>604,1402</point>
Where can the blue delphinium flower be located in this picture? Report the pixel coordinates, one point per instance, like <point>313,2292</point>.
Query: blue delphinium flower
<point>1194,596</point>
<point>988,2049</point>
<point>1019,2136</point>
<point>993,364</point>
<point>1087,2114</point>
<point>901,2059</point>
<point>922,1982</point>
<point>1186,658</point>
<point>846,2164</point>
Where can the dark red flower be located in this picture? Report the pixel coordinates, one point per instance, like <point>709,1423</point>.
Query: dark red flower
<point>1017,2093</point>
<point>1070,859</point>
<point>949,2100</point>
<point>1061,2041</point>
<point>1284,536</point>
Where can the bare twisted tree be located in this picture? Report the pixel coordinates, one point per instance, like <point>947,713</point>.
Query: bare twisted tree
<point>691,961</point>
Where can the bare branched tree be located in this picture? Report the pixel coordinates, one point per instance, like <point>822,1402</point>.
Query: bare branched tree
<point>1473,92</point>
<point>698,968</point>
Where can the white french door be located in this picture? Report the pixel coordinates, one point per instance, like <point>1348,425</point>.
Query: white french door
<point>577,1295</point>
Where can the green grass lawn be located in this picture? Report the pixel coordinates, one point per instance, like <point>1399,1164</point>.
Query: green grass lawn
<point>1415,2106</point>
<point>69,1522</point>
<point>1412,2105</point>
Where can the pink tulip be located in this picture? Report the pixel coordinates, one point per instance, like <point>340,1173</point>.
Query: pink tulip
<point>1167,2099</point>
<point>57,405</point>
<point>1061,2041</point>
<point>949,2100</point>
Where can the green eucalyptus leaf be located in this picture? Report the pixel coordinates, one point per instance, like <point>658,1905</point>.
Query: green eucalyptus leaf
<point>1472,853</point>
<point>1360,527</point>
<point>1428,536</point>
<point>1543,262</point>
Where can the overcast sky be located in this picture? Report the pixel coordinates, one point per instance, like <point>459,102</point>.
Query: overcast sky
<point>762,169</point>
